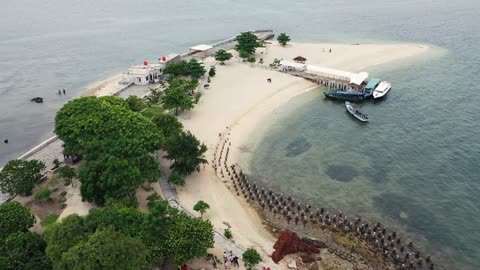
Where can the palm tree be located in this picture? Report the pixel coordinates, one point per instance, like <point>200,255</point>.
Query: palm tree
<point>186,152</point>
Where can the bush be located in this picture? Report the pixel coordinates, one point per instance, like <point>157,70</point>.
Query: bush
<point>44,193</point>
<point>197,97</point>
<point>251,258</point>
<point>50,219</point>
<point>212,72</point>
<point>251,59</point>
<point>228,233</point>
<point>176,179</point>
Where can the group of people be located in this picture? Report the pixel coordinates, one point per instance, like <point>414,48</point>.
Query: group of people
<point>60,92</point>
<point>228,257</point>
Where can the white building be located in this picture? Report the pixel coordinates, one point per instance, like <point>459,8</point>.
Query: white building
<point>292,66</point>
<point>143,74</point>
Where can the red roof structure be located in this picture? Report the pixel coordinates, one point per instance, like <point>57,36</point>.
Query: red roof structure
<point>300,59</point>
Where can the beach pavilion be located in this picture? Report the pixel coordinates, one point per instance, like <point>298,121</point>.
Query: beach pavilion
<point>200,48</point>
<point>300,59</point>
<point>143,74</point>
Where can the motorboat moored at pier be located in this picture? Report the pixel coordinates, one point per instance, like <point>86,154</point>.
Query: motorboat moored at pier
<point>353,110</point>
<point>382,89</point>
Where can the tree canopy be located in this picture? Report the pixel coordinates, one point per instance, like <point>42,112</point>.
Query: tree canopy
<point>135,103</point>
<point>251,258</point>
<point>191,68</point>
<point>104,124</point>
<point>201,207</point>
<point>67,173</point>
<point>247,43</point>
<point>106,249</point>
<point>116,143</point>
<point>187,153</point>
<point>222,56</point>
<point>283,39</point>
<point>190,238</point>
<point>177,95</point>
<point>168,124</point>
<point>20,176</point>
<point>14,218</point>
<point>24,250</point>
<point>109,176</point>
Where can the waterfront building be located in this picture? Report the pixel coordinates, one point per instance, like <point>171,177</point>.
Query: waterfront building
<point>143,74</point>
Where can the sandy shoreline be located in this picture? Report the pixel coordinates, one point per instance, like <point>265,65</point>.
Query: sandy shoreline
<point>240,98</point>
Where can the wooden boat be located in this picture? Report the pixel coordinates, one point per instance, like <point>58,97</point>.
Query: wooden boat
<point>343,95</point>
<point>353,110</point>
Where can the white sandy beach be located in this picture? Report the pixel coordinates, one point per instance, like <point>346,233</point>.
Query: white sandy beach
<point>240,97</point>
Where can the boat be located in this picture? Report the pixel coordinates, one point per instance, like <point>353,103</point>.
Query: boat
<point>353,110</point>
<point>371,85</point>
<point>37,99</point>
<point>343,95</point>
<point>382,89</point>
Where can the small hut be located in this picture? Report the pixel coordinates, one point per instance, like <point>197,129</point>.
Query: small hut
<point>300,59</point>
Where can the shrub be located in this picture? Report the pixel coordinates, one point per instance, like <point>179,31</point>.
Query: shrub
<point>50,219</point>
<point>197,97</point>
<point>251,258</point>
<point>44,193</point>
<point>228,233</point>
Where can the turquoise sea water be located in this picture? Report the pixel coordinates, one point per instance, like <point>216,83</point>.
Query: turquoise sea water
<point>415,164</point>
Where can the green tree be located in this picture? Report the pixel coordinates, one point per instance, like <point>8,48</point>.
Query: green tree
<point>244,54</point>
<point>201,207</point>
<point>195,69</point>
<point>95,124</point>
<point>20,176</point>
<point>14,218</point>
<point>179,68</point>
<point>43,193</point>
<point>222,56</point>
<point>188,238</point>
<point>117,178</point>
<point>247,42</point>
<point>154,96</point>
<point>283,39</point>
<point>251,59</point>
<point>212,72</point>
<point>168,124</point>
<point>24,250</point>
<point>128,221</point>
<point>177,96</point>
<point>186,152</point>
<point>176,179</point>
<point>106,249</point>
<point>60,237</point>
<point>251,258</point>
<point>157,224</point>
<point>135,103</point>
<point>67,173</point>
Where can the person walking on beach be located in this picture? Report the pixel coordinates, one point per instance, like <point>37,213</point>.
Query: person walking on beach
<point>59,92</point>
<point>64,92</point>
<point>225,257</point>
<point>235,261</point>
<point>330,51</point>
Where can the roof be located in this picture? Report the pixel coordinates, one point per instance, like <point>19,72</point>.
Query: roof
<point>201,47</point>
<point>300,58</point>
<point>372,83</point>
<point>355,78</point>
<point>292,64</point>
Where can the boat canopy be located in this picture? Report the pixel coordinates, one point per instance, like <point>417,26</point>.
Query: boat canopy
<point>350,77</point>
<point>372,83</point>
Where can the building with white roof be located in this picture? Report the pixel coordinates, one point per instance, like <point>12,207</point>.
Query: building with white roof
<point>143,74</point>
<point>338,75</point>
<point>200,48</point>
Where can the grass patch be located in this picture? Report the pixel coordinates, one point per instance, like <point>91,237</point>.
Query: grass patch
<point>52,218</point>
<point>153,111</point>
